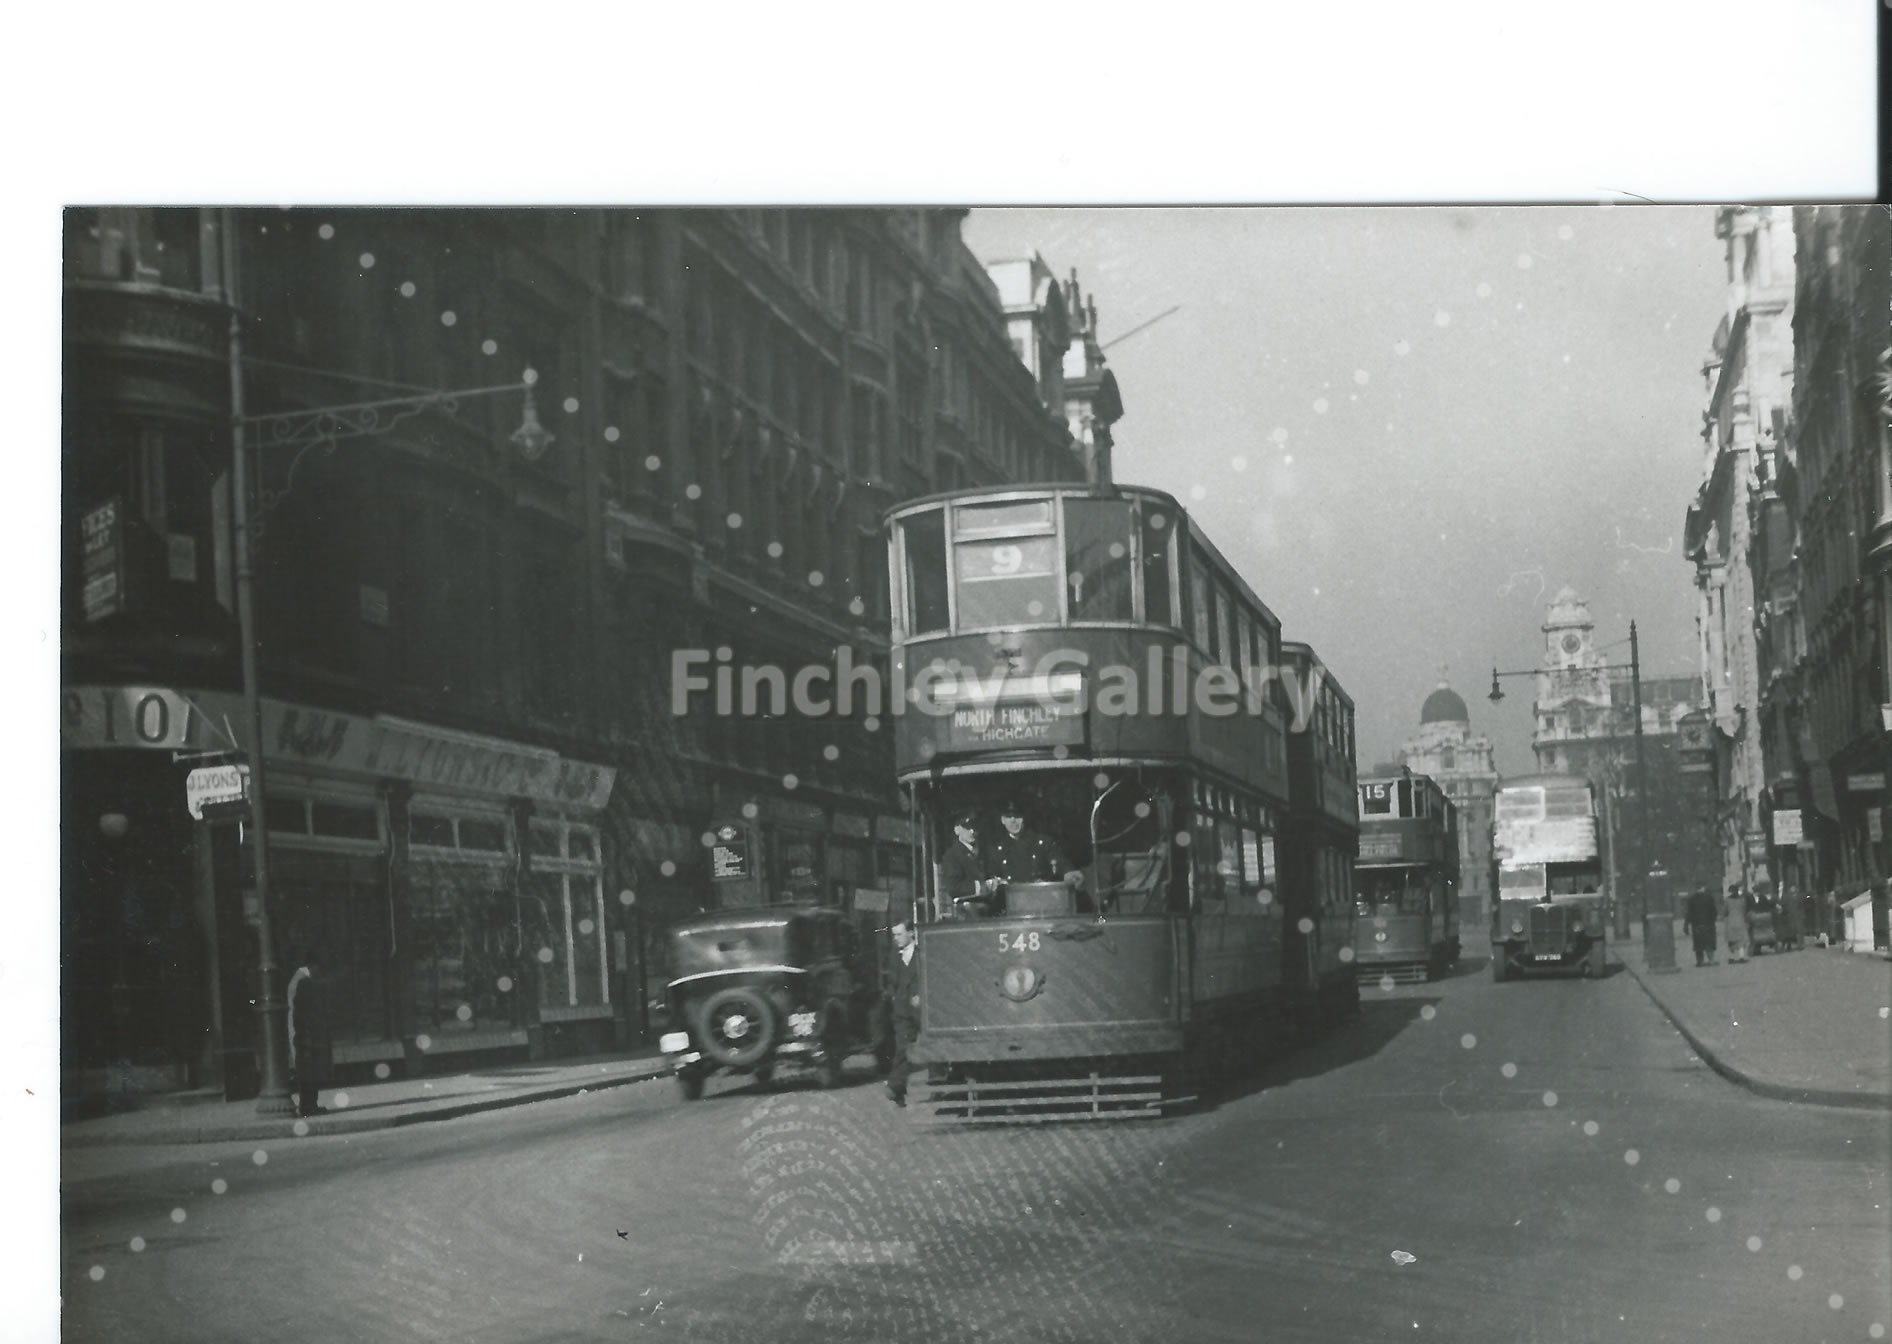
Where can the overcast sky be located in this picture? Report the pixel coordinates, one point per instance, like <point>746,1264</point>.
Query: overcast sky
<point>1409,427</point>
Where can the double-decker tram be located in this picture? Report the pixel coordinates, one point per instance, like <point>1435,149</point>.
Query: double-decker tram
<point>1320,844</point>
<point>1406,879</point>
<point>1551,912</point>
<point>1093,739</point>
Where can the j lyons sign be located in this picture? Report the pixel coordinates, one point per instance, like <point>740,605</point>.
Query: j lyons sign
<point>162,718</point>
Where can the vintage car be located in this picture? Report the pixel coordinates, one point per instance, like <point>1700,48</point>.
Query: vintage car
<point>756,988</point>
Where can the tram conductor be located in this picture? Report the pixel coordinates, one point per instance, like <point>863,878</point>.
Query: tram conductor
<point>964,886</point>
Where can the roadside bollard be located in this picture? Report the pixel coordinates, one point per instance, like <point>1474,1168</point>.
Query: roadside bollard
<point>1658,942</point>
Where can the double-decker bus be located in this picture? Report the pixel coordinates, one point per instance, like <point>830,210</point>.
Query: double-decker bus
<point>1406,879</point>
<point>1551,911</point>
<point>1086,658</point>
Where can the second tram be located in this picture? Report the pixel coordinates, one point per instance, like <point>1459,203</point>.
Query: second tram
<point>1407,880</point>
<point>1095,745</point>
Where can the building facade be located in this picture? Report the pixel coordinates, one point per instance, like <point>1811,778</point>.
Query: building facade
<point>1460,762</point>
<point>1748,377</point>
<point>1824,519</point>
<point>489,787</point>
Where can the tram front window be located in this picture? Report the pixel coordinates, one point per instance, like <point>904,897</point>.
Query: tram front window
<point>1391,891</point>
<point>1008,581</point>
<point>1097,559</point>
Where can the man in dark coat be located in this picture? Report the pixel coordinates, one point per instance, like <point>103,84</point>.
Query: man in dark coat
<point>311,1041</point>
<point>1024,855</point>
<point>903,1007</point>
<point>963,871</point>
<point>1699,919</point>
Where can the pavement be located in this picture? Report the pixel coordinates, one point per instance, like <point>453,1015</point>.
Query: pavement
<point>1812,1025</point>
<point>357,1108</point>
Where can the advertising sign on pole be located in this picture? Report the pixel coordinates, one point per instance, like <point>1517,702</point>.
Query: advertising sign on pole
<point>102,560</point>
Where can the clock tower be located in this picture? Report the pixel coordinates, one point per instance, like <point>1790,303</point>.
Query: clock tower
<point>1573,690</point>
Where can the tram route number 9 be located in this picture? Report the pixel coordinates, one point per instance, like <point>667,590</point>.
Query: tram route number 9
<point>1024,942</point>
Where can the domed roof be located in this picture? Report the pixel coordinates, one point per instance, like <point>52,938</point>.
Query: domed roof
<point>1444,706</point>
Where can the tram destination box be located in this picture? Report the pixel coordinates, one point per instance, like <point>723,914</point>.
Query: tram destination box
<point>1015,724</point>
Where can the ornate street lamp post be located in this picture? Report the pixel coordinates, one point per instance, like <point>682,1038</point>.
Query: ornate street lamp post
<point>301,430</point>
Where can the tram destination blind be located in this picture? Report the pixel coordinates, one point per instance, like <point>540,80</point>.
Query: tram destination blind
<point>1018,725</point>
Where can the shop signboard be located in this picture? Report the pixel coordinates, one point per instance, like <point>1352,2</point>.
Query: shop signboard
<point>209,785</point>
<point>1867,783</point>
<point>1787,828</point>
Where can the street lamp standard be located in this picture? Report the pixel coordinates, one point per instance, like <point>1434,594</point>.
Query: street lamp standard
<point>302,430</point>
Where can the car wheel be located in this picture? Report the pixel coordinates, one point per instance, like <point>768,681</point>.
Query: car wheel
<point>737,1027</point>
<point>690,1084</point>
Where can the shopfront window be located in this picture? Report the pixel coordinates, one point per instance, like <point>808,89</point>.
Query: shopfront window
<point>333,906</point>
<point>565,897</point>
<point>462,954</point>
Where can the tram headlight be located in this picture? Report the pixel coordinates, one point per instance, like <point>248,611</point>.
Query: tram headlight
<point>1380,937</point>
<point>1517,926</point>
<point>1020,983</point>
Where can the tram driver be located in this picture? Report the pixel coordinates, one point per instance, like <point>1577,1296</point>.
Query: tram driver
<point>1023,855</point>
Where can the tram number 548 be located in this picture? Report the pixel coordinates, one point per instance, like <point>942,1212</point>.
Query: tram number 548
<point>1024,942</point>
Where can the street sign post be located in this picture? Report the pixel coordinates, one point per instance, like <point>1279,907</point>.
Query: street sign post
<point>209,785</point>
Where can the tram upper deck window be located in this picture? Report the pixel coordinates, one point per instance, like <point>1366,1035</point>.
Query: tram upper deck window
<point>1200,607</point>
<point>923,543</point>
<point>1097,559</point>
<point>1005,561</point>
<point>1159,534</point>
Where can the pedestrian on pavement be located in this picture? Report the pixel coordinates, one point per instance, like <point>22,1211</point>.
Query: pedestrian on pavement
<point>1737,925</point>
<point>964,885</point>
<point>311,1044</point>
<point>903,1004</point>
<point>1698,919</point>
